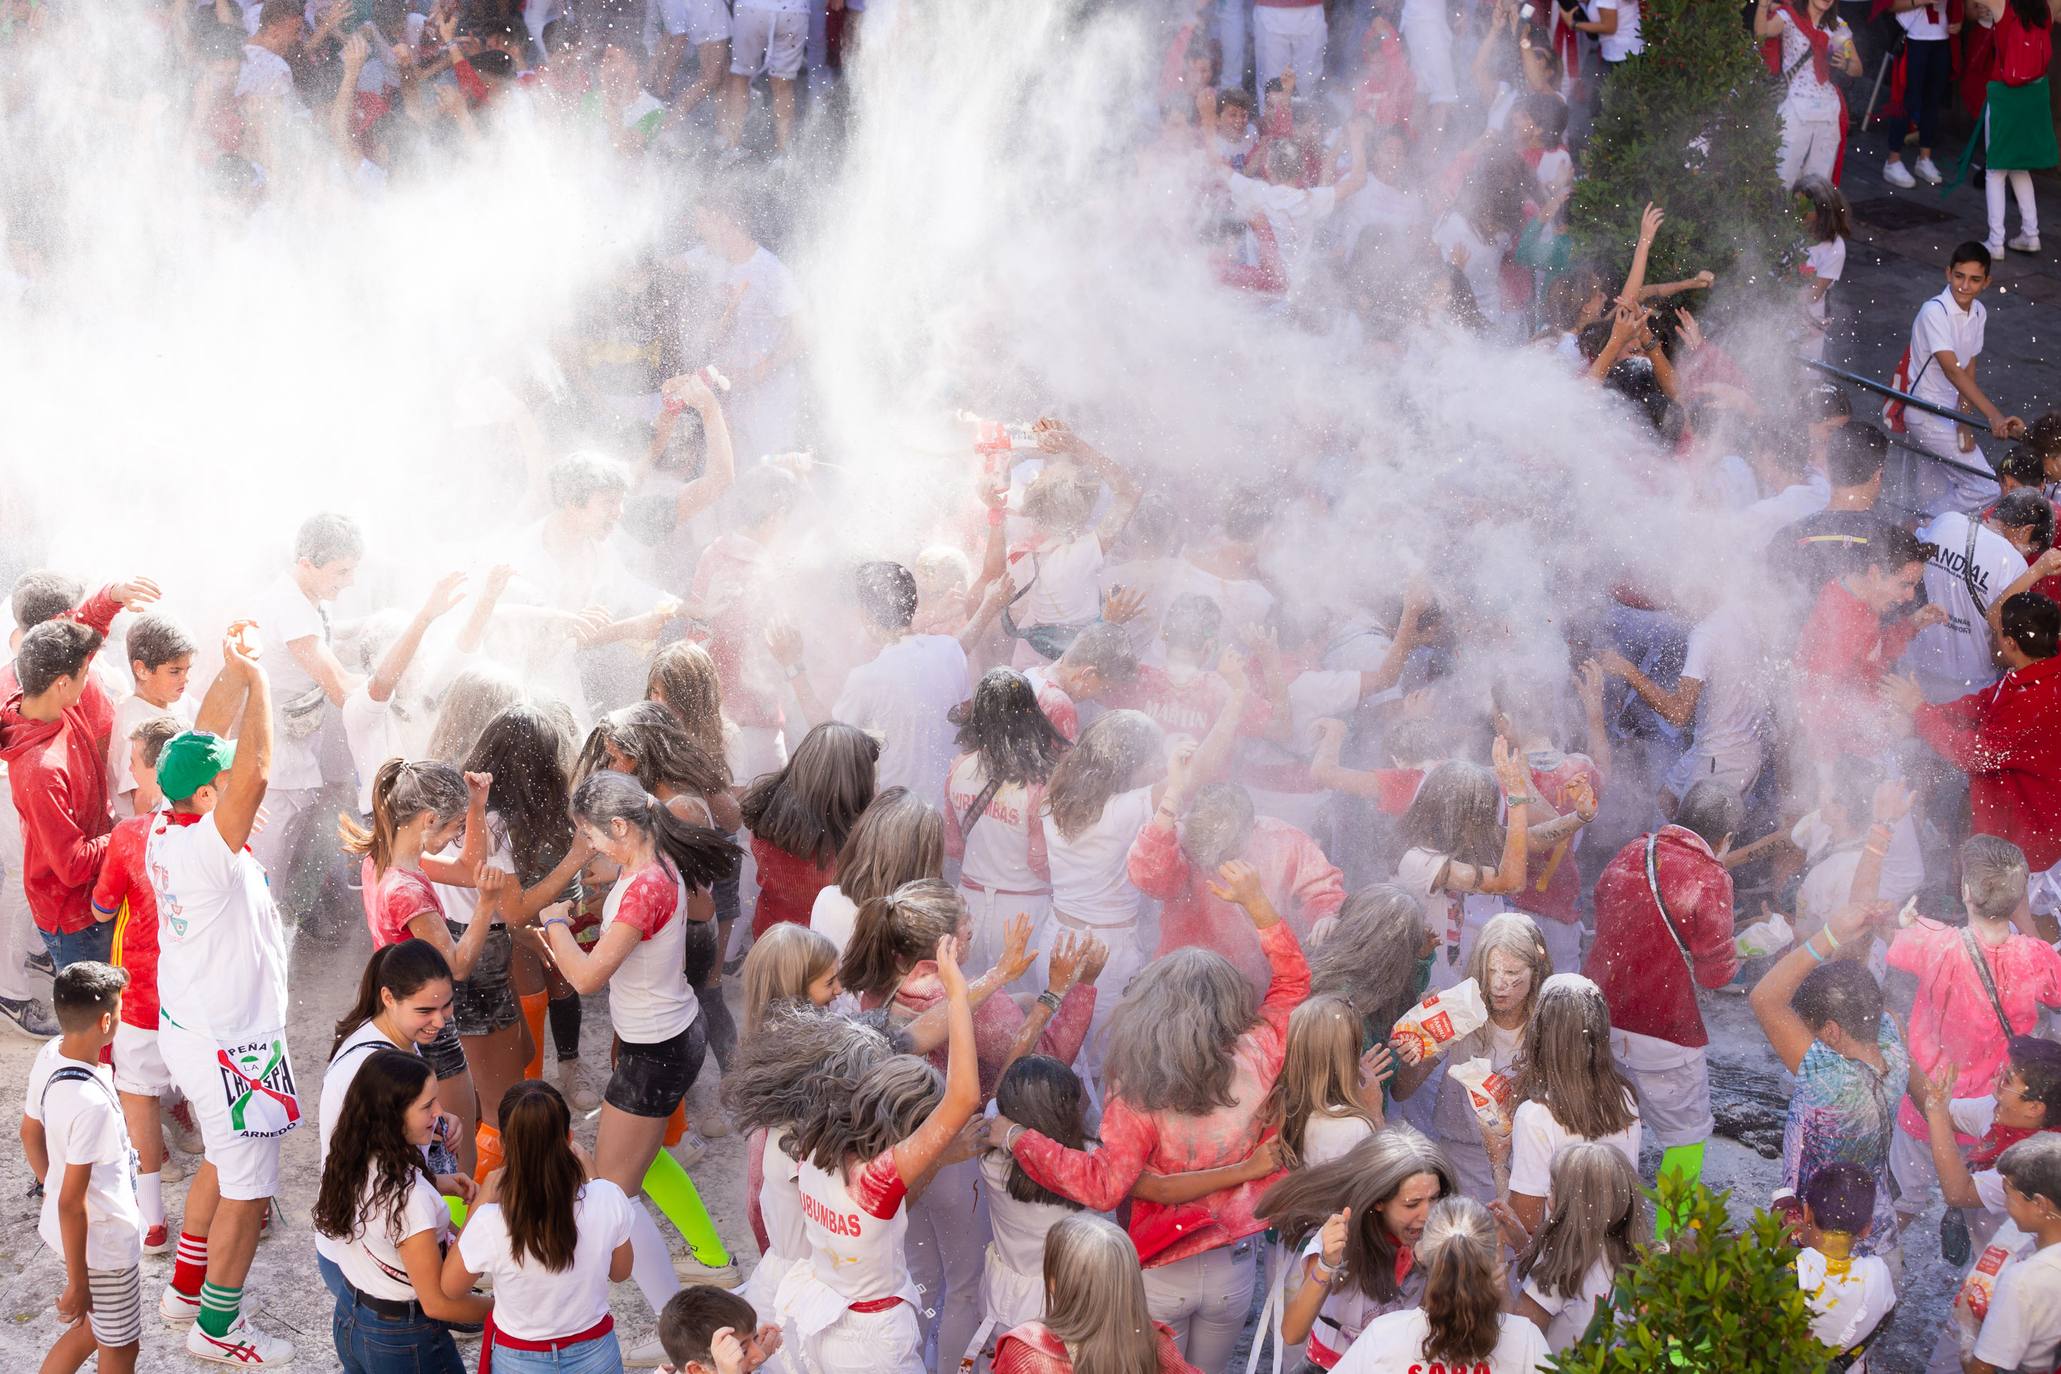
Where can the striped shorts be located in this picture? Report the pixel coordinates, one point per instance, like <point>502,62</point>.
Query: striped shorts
<point>117,1305</point>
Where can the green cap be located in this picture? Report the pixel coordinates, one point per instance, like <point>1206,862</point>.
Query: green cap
<point>191,761</point>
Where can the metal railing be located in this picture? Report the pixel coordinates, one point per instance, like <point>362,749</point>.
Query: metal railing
<point>1900,491</point>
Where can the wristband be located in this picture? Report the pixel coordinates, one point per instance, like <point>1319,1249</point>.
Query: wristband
<point>1831,940</point>
<point>1812,952</point>
<point>1049,1000</point>
<point>1010,1137</point>
<point>549,921</point>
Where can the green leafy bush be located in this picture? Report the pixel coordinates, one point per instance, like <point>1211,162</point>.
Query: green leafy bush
<point>1691,125</point>
<point>1713,1301</point>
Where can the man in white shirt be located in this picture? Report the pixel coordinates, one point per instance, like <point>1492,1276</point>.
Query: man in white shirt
<point>222,992</point>
<point>1969,561</point>
<point>907,691</point>
<point>1723,688</point>
<point>265,77</point>
<point>758,345</point>
<point>1946,338</point>
<point>308,686</point>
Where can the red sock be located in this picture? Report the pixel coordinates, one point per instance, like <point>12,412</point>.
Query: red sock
<point>190,1267</point>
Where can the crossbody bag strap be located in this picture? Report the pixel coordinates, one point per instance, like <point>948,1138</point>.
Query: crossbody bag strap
<point>1666,918</point>
<point>1968,567</point>
<point>72,1073</point>
<point>978,809</point>
<point>1989,984</point>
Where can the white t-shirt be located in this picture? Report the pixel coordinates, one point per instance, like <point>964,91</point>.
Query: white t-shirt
<point>1294,212</point>
<point>1535,1137</point>
<point>1091,879</point>
<point>371,1259</point>
<point>1019,1227</point>
<point>1483,268</point>
<point>82,1124</point>
<point>531,1303</point>
<point>1158,581</point>
<point>904,694</point>
<point>221,968</point>
<point>1448,915</point>
<point>264,74</point>
<point>380,730</point>
<point>359,1046</point>
<point>285,616</point>
<point>1826,261</point>
<point>1725,656</point>
<point>1762,520</point>
<point>1325,1138</point>
<point>1928,23</point>
<point>780,1204</point>
<point>1974,1116</point>
<point>1846,1308</point>
<point>131,712</point>
<point>1243,600</point>
<point>1940,326</point>
<point>1394,1344</point>
<point>1571,1316</point>
<point>834,916</point>
<point>1808,97</point>
<point>2023,1328</point>
<point>1060,584</point>
<point>1626,42</point>
<point>1952,658</point>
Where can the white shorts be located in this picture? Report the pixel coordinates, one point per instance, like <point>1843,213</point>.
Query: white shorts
<point>768,42</point>
<point>1009,1296</point>
<point>701,21</point>
<point>138,1067</point>
<point>1673,1086</point>
<point>889,1342</point>
<point>247,1166</point>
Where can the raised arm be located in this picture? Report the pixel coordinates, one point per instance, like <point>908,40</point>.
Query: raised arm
<point>719,469</point>
<point>251,771</point>
<point>915,1156</point>
<point>1676,707</point>
<point>443,597</point>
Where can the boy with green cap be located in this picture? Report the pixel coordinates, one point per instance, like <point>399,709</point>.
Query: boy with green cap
<point>222,1004</point>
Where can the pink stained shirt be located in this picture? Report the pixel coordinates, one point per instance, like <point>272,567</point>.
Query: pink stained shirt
<point>997,1022</point>
<point>1168,1142</point>
<point>1302,884</point>
<point>1952,1019</point>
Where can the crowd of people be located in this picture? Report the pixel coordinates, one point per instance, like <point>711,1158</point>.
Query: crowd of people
<point>1113,951</point>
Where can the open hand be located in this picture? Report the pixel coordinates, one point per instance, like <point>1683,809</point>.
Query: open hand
<point>1017,955</point>
<point>948,971</point>
<point>135,593</point>
<point>1122,604</point>
<point>1240,884</point>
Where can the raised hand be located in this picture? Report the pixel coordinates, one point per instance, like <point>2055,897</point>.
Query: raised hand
<point>1240,884</point>
<point>135,593</point>
<point>1017,955</point>
<point>449,590</point>
<point>948,971</point>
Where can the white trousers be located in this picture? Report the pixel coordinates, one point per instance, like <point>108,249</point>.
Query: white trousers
<point>1285,38</point>
<point>2028,208</point>
<point>1205,1299</point>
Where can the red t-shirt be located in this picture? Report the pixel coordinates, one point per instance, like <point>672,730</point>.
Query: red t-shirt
<point>123,895</point>
<point>2023,52</point>
<point>1192,706</point>
<point>787,886</point>
<point>394,898</point>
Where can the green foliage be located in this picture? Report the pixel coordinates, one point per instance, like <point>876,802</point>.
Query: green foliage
<point>1692,126</point>
<point>1713,1301</point>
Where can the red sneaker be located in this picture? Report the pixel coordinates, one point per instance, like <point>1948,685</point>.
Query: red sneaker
<point>156,1240</point>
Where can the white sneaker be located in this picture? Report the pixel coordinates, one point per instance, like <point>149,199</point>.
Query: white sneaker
<point>1928,172</point>
<point>2026,243</point>
<point>1896,174</point>
<point>645,1354</point>
<point>691,1150</point>
<point>577,1085</point>
<point>1996,250</point>
<point>245,1346</point>
<point>691,1271</point>
<point>175,1308</point>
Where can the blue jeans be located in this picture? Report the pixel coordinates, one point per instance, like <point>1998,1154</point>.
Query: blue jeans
<point>598,1356</point>
<point>332,1277</point>
<point>95,942</point>
<point>368,1343</point>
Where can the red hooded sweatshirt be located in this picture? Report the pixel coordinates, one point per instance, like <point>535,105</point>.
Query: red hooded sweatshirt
<point>58,772</point>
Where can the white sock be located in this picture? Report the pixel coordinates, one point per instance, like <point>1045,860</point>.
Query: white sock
<point>150,1197</point>
<point>651,1264</point>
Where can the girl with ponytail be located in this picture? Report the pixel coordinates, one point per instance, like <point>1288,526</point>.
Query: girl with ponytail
<point>418,809</point>
<point>1462,1324</point>
<point>651,932</point>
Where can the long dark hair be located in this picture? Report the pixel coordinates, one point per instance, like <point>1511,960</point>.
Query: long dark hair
<point>2034,14</point>
<point>400,968</point>
<point>541,1181</point>
<point>1015,741</point>
<point>895,933</point>
<point>659,748</point>
<point>808,808</point>
<point>371,1167</point>
<point>1045,1095</point>
<point>1363,1178</point>
<point>524,751</point>
<point>703,856</point>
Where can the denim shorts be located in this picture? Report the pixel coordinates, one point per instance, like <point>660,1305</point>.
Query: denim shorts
<point>94,943</point>
<point>484,1001</point>
<point>650,1080</point>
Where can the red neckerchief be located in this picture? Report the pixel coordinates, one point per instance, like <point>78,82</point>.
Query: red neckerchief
<point>1405,1261</point>
<point>182,818</point>
<point>1820,41</point>
<point>1999,1139</point>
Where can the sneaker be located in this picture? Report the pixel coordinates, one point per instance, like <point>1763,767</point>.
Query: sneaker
<point>1996,250</point>
<point>712,1124</point>
<point>185,1131</point>
<point>577,1085</point>
<point>29,1016</point>
<point>157,1240</point>
<point>2026,243</point>
<point>176,1309</point>
<point>1928,172</point>
<point>691,1271</point>
<point>244,1345</point>
<point>691,1150</point>
<point>1896,174</point>
<point>42,963</point>
<point>172,1167</point>
<point>645,1354</point>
